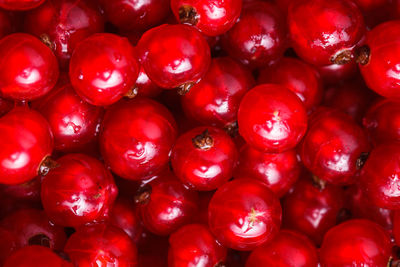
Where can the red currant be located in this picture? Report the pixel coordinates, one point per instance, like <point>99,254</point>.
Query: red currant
<point>20,4</point>
<point>144,86</point>
<point>334,73</point>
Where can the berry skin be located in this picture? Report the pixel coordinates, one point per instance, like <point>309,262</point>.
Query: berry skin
<point>101,245</point>
<point>137,145</point>
<point>5,106</point>
<point>259,37</point>
<point>287,249</point>
<point>35,256</point>
<point>334,147</point>
<point>79,191</point>
<point>208,252</point>
<point>211,17</point>
<point>301,78</point>
<point>356,243</point>
<point>165,204</point>
<point>204,158</point>
<point>334,73</point>
<point>103,68</point>
<point>29,191</point>
<point>28,68</point>
<point>33,227</point>
<point>180,60</point>
<point>20,5</point>
<point>136,15</point>
<point>379,176</point>
<point>74,122</point>
<point>62,24</point>
<point>215,99</point>
<point>312,208</point>
<point>279,171</point>
<point>396,226</point>
<point>382,121</point>
<point>325,32</point>
<point>272,118</point>
<point>7,23</point>
<point>380,58</point>
<point>144,86</point>
<point>243,214</point>
<point>20,160</point>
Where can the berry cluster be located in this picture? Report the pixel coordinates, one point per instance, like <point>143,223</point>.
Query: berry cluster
<point>199,133</point>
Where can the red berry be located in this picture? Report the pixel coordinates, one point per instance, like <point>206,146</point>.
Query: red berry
<point>356,243</point>
<point>287,249</point>
<point>79,191</point>
<point>301,78</point>
<point>74,122</point>
<point>325,32</point>
<point>8,244</point>
<point>28,68</point>
<point>62,24</point>
<point>396,226</point>
<point>33,227</point>
<point>136,138</point>
<point>165,204</point>
<point>210,17</point>
<point>279,171</point>
<point>29,191</point>
<point>26,140</point>
<point>379,59</point>
<point>334,147</point>
<point>136,14</point>
<point>312,208</point>
<point>244,214</point>
<point>334,73</point>
<point>20,4</point>
<point>174,55</point>
<point>272,118</point>
<point>208,252</point>
<point>144,86</point>
<point>101,245</point>
<point>382,121</point>
<point>259,37</point>
<point>215,99</point>
<point>204,158</point>
<point>103,68</point>
<point>379,176</point>
<point>35,256</point>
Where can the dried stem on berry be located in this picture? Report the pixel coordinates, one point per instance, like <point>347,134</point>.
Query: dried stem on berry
<point>363,54</point>
<point>132,93</point>
<point>185,88</point>
<point>393,263</point>
<point>220,264</point>
<point>203,141</point>
<point>342,57</point>
<point>46,165</point>
<point>232,129</point>
<point>319,183</point>
<point>361,160</point>
<point>46,40</point>
<point>188,14</point>
<point>143,195</point>
<point>40,239</point>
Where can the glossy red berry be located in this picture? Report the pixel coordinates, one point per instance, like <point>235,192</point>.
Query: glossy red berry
<point>136,15</point>
<point>243,214</point>
<point>279,171</point>
<point>28,68</point>
<point>301,78</point>
<point>334,73</point>
<point>33,227</point>
<point>35,256</point>
<point>208,252</point>
<point>79,191</point>
<point>287,249</point>
<point>20,4</point>
<point>165,204</point>
<point>144,86</point>
<point>334,147</point>
<point>325,32</point>
<point>356,242</point>
<point>215,99</point>
<point>101,245</point>
<point>379,176</point>
<point>62,24</point>
<point>204,158</point>
<point>312,208</point>
<point>136,138</point>
<point>382,121</point>
<point>26,140</point>
<point>73,121</point>
<point>210,17</point>
<point>379,59</point>
<point>181,59</point>
<point>259,37</point>
<point>103,68</point>
<point>272,118</point>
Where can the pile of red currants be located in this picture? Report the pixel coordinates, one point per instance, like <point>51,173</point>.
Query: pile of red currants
<point>200,133</point>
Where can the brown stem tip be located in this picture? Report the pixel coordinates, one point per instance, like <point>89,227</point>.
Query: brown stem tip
<point>45,38</point>
<point>143,195</point>
<point>361,160</point>
<point>46,165</point>
<point>232,129</point>
<point>203,141</point>
<point>363,55</point>
<point>132,93</point>
<point>342,57</point>
<point>393,263</point>
<point>319,183</point>
<point>185,88</point>
<point>188,15</point>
